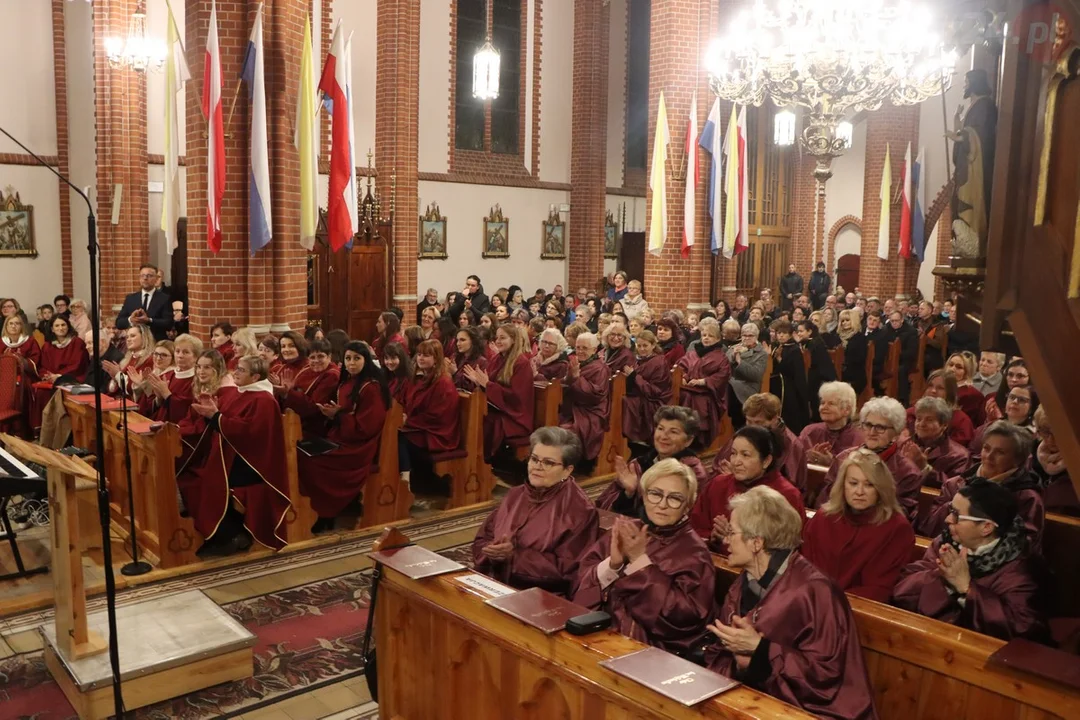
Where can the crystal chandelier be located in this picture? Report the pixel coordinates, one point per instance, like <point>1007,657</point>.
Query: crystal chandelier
<point>832,57</point>
<point>486,62</point>
<point>138,51</point>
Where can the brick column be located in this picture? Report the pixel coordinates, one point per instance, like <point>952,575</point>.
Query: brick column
<point>120,118</point>
<point>895,127</point>
<point>397,111</point>
<point>588,145</point>
<point>60,88</point>
<point>679,36</point>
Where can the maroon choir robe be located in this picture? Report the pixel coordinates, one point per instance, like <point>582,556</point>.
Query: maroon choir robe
<point>615,499</point>
<point>228,353</point>
<point>960,430</point>
<point>792,462</point>
<point>309,390</point>
<point>664,598</point>
<point>908,478</point>
<point>27,349</point>
<point>647,389</point>
<point>397,385</point>
<point>553,369</point>
<point>335,479</point>
<point>461,380</point>
<point>617,360</point>
<point>248,427</point>
<point>174,408</point>
<point>811,658</point>
<point>1004,604</point>
<point>673,352</point>
<point>710,400</point>
<point>290,370</point>
<point>432,418</point>
<point>70,360</point>
<point>840,440</point>
<point>972,403</point>
<point>550,529</point>
<point>587,404</point>
<point>1023,484</point>
<point>717,496</point>
<point>861,557</point>
<point>510,407</point>
<point>144,366</point>
<point>29,354</point>
<point>946,457</point>
<point>1059,495</point>
<point>378,345</point>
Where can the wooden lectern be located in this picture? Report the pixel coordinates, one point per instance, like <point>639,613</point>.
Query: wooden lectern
<point>66,476</point>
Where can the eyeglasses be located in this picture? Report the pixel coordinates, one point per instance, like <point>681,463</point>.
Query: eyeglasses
<point>672,500</point>
<point>547,464</point>
<point>162,356</point>
<point>1017,375</point>
<point>957,517</point>
<point>874,428</point>
<point>1019,399</point>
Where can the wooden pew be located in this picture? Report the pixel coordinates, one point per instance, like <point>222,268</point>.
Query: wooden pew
<point>81,417</point>
<point>917,378</point>
<point>615,443</point>
<point>385,497</point>
<point>891,386</point>
<point>837,357</point>
<point>868,391</point>
<point>547,397</point>
<point>676,384</point>
<point>490,665</point>
<point>766,378</point>
<point>301,516</point>
<point>471,479</point>
<point>922,668</point>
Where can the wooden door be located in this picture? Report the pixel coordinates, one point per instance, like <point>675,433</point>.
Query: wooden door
<point>847,272</point>
<point>632,256</point>
<point>368,289</point>
<point>348,289</point>
<point>178,275</point>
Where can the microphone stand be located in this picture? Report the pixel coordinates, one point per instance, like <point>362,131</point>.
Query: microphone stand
<point>135,567</point>
<point>99,423</point>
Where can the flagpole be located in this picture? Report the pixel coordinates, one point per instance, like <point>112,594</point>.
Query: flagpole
<point>945,123</point>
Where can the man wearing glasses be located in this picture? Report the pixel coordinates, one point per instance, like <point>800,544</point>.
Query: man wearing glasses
<point>976,575</point>
<point>147,306</point>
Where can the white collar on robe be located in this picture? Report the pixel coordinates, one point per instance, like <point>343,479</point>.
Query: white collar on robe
<point>22,340</point>
<point>56,343</point>
<point>984,549</point>
<point>260,386</point>
<point>184,374</point>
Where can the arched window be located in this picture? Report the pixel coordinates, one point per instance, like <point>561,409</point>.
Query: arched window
<point>494,126</point>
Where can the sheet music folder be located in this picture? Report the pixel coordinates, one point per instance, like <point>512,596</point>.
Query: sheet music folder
<point>416,562</point>
<point>670,675</point>
<point>538,608</point>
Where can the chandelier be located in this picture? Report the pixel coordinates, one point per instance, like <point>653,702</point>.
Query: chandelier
<point>833,58</point>
<point>137,51</point>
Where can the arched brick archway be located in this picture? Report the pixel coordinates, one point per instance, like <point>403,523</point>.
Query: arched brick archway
<point>834,231</point>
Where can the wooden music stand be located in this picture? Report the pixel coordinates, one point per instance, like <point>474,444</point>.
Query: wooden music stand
<point>65,476</point>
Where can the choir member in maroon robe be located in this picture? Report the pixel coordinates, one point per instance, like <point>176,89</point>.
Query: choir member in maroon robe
<point>860,538</point>
<point>706,372</point>
<point>469,350</point>
<point>540,529</point>
<point>977,574</point>
<point>785,628</point>
<point>168,398</point>
<point>270,352</point>
<point>883,420</point>
<point>388,329</point>
<point>294,352</point>
<point>550,362</point>
<point>669,336</point>
<point>930,449</point>
<point>1059,495</point>
<point>942,384</point>
<point>837,431</point>
<point>210,377</point>
<point>753,463</point>
<point>19,341</point>
<point>1016,375</point>
<point>676,427</point>
<point>508,383</point>
<point>970,401</point>
<point>1005,460</point>
<point>1020,406</point>
<point>63,357</point>
<point>587,395</point>
<point>234,483</point>
<point>654,577</point>
<point>221,340</point>
<point>648,388</point>
<point>399,370</point>
<point>138,358</point>
<point>356,417</point>
<point>313,386</point>
<point>432,420</point>
<point>763,410</point>
<point>616,351</point>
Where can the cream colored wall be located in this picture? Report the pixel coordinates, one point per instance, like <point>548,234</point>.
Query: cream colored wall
<point>82,144</point>
<point>359,18</point>
<point>848,242</point>
<point>556,90</point>
<point>435,138</point>
<point>616,126</point>
<point>844,191</point>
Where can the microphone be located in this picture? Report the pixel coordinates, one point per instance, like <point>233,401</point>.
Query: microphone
<point>122,382</point>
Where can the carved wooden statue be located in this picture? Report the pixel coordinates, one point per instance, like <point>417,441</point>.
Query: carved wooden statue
<point>973,158</point>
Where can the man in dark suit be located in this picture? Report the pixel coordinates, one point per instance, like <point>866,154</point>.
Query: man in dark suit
<point>147,306</point>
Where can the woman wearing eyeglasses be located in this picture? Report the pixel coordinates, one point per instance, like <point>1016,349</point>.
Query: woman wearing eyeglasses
<point>1016,375</point>
<point>930,447</point>
<point>1020,406</point>
<point>860,538</point>
<point>1059,494</point>
<point>753,462</point>
<point>1004,460</point>
<point>941,384</point>
<point>883,420</point>
<point>169,397</point>
<point>313,386</point>
<point>617,354</point>
<point>540,529</point>
<point>976,574</point>
<point>785,628</point>
<point>653,574</point>
<point>587,395</point>
<point>550,363</point>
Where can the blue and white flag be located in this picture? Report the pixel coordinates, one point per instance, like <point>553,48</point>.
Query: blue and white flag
<point>713,141</point>
<point>918,210</point>
<point>259,222</point>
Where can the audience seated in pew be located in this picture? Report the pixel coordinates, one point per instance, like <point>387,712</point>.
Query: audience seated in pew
<point>784,627</point>
<point>313,386</point>
<point>221,340</point>
<point>617,354</point>
<point>941,384</point>
<point>432,422</point>
<point>968,398</point>
<point>1020,406</point>
<point>508,382</point>
<point>860,537</point>
<point>65,357</point>
<point>19,341</point>
<point>669,336</point>
<point>676,427</point>
<point>1005,460</point>
<point>398,368</point>
<point>233,483</point>
<point>1016,375</point>
<point>856,346</point>
<point>537,534</point>
<point>749,360</point>
<point>294,353</point>
<point>930,448</point>
<point>763,410</point>
<point>648,388</point>
<point>550,362</point>
<point>882,421</point>
<point>353,420</point>
<point>587,395</point>
<point>168,398</point>
<point>1058,492</point>
<point>789,377</point>
<point>837,431</point>
<point>753,462</point>
<point>706,372</point>
<point>654,575</point>
<point>468,352</point>
<point>978,574</point>
<point>138,358</point>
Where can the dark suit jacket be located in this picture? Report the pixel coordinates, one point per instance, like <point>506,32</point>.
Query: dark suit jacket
<point>160,312</point>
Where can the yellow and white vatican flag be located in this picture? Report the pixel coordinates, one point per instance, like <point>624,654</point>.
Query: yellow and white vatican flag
<point>658,224</point>
<point>176,74</point>
<point>306,143</point>
<point>886,201</point>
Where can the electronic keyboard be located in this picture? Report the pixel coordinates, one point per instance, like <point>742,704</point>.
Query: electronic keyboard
<point>16,478</point>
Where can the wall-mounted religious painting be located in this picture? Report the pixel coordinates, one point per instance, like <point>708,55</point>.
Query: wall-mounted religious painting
<point>16,226</point>
<point>432,234</point>
<point>496,234</point>
<point>554,238</point>
<point>611,237</point>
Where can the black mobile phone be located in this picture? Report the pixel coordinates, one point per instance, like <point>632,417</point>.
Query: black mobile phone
<point>588,623</point>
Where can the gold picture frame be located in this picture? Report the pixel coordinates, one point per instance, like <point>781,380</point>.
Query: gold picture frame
<point>611,237</point>
<point>553,238</point>
<point>16,226</point>
<point>496,239</point>
<point>432,241</point>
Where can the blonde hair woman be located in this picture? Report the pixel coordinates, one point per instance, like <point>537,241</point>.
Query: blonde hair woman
<point>246,344</point>
<point>138,360</point>
<point>510,396</point>
<point>968,398</point>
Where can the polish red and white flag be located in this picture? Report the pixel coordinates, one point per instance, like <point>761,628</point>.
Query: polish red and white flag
<point>215,150</point>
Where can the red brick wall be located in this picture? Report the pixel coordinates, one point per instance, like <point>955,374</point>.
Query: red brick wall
<point>60,88</point>
<point>803,230</point>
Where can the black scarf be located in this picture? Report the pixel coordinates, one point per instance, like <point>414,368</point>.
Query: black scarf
<point>702,350</point>
<point>753,591</point>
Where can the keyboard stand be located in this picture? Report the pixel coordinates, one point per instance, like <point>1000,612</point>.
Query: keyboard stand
<point>7,532</point>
